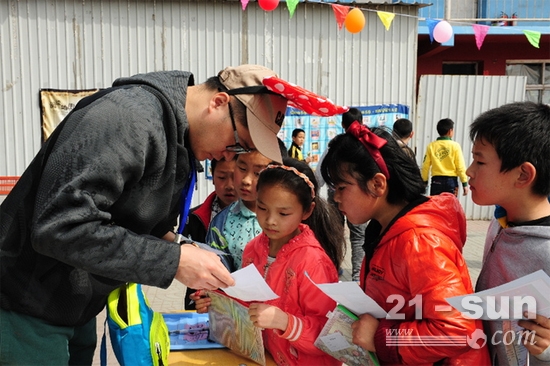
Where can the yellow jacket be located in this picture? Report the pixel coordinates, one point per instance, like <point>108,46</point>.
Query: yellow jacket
<point>444,157</point>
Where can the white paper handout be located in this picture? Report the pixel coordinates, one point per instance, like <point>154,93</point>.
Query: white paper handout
<point>250,285</point>
<point>350,295</point>
<point>508,301</point>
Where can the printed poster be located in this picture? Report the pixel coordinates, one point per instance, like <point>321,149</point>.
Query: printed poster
<point>320,130</point>
<point>56,104</point>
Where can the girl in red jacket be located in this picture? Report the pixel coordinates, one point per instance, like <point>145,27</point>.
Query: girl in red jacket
<point>301,233</point>
<point>288,248</point>
<point>413,253</point>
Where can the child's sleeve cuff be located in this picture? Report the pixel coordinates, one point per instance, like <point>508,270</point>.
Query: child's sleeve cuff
<point>293,329</point>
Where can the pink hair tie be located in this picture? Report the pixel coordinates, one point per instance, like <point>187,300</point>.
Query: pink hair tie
<point>372,143</point>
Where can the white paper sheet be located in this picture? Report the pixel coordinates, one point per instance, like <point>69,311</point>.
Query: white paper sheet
<point>250,286</point>
<point>536,285</point>
<point>350,295</point>
<point>500,301</point>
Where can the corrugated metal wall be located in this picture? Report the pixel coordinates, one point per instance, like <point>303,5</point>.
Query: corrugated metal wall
<point>462,99</point>
<point>87,44</point>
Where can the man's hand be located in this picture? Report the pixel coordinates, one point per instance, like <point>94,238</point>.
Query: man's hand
<point>465,191</point>
<point>201,269</point>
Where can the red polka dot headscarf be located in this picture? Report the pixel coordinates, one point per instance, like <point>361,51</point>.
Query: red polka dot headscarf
<point>303,99</point>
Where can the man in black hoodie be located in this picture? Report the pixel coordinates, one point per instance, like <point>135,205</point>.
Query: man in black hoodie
<point>109,197</point>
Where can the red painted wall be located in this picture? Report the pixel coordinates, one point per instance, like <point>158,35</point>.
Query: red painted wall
<point>492,58</point>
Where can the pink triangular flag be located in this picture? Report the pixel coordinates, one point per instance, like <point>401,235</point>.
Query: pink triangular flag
<point>244,3</point>
<point>480,31</point>
<point>340,12</point>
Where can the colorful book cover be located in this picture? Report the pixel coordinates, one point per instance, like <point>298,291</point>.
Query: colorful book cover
<point>231,326</point>
<point>336,339</point>
<point>189,330</point>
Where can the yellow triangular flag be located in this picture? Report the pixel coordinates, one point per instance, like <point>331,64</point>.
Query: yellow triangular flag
<point>386,18</point>
<point>533,37</point>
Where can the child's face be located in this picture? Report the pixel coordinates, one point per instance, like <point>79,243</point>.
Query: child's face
<point>224,182</point>
<point>488,184</point>
<point>299,139</point>
<point>279,213</point>
<point>247,171</point>
<point>353,202</point>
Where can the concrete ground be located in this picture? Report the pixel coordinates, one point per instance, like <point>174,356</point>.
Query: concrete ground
<point>171,299</point>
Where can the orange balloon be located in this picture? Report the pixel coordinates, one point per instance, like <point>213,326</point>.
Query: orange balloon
<point>355,20</point>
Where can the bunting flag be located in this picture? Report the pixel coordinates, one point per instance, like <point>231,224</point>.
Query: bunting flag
<point>431,23</point>
<point>533,37</point>
<point>386,18</point>
<point>291,5</point>
<point>340,12</point>
<point>480,31</point>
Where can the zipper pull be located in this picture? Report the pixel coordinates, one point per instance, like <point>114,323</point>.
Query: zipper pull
<point>159,353</point>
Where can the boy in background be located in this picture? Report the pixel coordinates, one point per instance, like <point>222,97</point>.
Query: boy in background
<point>298,139</point>
<point>403,133</point>
<point>236,224</point>
<point>511,169</point>
<point>223,195</point>
<point>444,157</point>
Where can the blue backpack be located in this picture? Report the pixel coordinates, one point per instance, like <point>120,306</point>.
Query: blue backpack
<point>139,335</point>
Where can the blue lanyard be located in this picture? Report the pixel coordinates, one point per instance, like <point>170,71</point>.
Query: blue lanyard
<point>187,195</point>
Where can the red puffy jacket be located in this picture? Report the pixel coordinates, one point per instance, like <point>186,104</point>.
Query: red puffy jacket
<point>419,261</point>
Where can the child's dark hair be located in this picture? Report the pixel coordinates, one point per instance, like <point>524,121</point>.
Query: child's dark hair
<point>402,128</point>
<point>324,221</point>
<point>347,155</point>
<point>214,163</point>
<point>296,131</point>
<point>519,132</point>
<point>444,126</point>
<point>282,148</point>
<point>350,116</point>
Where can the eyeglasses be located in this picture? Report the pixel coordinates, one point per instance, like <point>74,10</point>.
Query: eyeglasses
<point>237,148</point>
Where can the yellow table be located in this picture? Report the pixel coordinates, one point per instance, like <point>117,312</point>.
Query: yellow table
<point>212,357</point>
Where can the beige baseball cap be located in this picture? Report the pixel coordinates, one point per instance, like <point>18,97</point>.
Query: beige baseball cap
<point>265,110</point>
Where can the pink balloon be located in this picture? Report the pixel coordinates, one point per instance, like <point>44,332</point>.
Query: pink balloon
<point>443,31</point>
<point>268,5</point>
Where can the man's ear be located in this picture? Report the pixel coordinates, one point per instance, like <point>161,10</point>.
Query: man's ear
<point>219,99</point>
<point>527,175</point>
<point>411,135</point>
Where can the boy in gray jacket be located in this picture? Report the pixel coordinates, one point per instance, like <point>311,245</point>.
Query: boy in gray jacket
<point>511,169</point>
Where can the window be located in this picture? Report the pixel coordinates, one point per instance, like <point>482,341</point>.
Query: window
<point>538,79</point>
<point>460,68</point>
